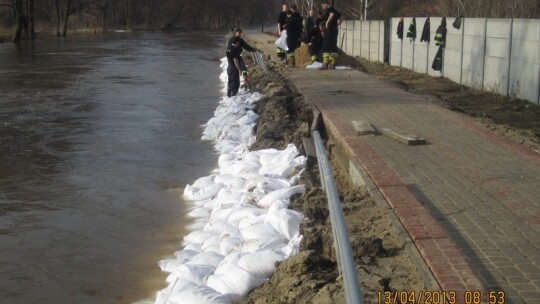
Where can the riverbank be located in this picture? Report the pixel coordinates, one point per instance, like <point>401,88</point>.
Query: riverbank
<point>312,276</point>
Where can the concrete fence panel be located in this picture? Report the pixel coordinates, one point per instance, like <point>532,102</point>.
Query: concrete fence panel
<point>374,40</point>
<point>381,41</point>
<point>395,43</point>
<point>350,36</point>
<point>343,29</point>
<point>356,38</point>
<point>420,48</point>
<point>408,47</point>
<point>496,55</point>
<point>432,49</point>
<point>364,51</point>
<point>497,61</point>
<point>473,52</point>
<point>525,65</point>
<point>453,51</point>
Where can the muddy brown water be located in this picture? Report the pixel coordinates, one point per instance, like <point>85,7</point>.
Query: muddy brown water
<point>98,137</point>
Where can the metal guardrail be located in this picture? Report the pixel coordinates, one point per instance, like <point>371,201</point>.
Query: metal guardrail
<point>259,60</point>
<point>342,245</point>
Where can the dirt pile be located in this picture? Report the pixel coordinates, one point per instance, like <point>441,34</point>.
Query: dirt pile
<point>312,276</point>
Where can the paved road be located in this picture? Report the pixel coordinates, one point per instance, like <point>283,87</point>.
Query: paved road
<point>470,199</point>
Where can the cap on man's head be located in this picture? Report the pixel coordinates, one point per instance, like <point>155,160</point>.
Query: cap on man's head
<point>238,30</point>
<point>294,7</point>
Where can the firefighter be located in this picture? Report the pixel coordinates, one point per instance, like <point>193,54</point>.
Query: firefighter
<point>331,17</point>
<point>312,23</point>
<point>282,19</point>
<point>243,45</point>
<point>294,29</point>
<point>234,69</point>
<point>314,40</point>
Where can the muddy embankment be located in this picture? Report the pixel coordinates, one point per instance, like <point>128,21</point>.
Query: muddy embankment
<point>312,276</point>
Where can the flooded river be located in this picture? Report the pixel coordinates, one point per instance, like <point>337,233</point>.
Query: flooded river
<point>98,137</point>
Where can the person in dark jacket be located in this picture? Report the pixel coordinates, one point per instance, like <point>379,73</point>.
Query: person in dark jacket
<point>311,23</point>
<point>233,70</point>
<point>426,32</point>
<point>294,29</point>
<point>314,41</point>
<point>282,19</point>
<point>331,17</point>
<point>243,45</point>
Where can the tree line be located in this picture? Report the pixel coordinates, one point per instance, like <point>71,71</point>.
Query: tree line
<point>28,17</point>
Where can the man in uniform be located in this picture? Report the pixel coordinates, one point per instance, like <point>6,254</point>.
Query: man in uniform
<point>314,40</point>
<point>312,22</point>
<point>233,70</point>
<point>282,19</point>
<point>243,45</point>
<point>331,17</point>
<point>294,27</point>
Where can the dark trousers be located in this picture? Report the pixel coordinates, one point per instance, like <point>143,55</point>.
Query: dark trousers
<point>292,43</point>
<point>233,83</point>
<point>313,49</point>
<point>332,40</point>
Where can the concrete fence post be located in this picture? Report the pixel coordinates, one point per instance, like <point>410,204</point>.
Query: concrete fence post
<point>538,65</point>
<point>369,40</point>
<point>462,50</point>
<point>485,54</point>
<point>510,56</point>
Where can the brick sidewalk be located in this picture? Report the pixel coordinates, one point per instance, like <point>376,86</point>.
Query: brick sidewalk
<point>469,199</point>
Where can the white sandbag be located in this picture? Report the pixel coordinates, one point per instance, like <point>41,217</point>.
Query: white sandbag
<point>271,184</point>
<point>206,259</point>
<point>293,247</point>
<point>284,170</point>
<point>211,242</point>
<point>202,193</point>
<point>285,221</point>
<point>229,243</point>
<point>199,212</point>
<point>259,245</point>
<point>169,265</point>
<point>281,42</point>
<point>185,292</point>
<point>279,204</point>
<point>196,237</point>
<point>281,194</point>
<point>260,264</point>
<point>185,255</point>
<point>194,273</point>
<point>220,226</point>
<point>233,281</point>
<point>259,232</point>
<point>314,66</point>
<point>245,213</point>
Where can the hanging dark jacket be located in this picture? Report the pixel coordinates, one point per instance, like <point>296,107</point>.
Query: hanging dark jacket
<point>400,28</point>
<point>440,34</point>
<point>457,22</point>
<point>411,33</point>
<point>437,64</point>
<point>426,32</point>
